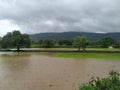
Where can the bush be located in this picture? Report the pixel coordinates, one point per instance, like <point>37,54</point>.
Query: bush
<point>112,82</point>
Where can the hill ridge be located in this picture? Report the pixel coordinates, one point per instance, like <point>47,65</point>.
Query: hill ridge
<point>71,35</point>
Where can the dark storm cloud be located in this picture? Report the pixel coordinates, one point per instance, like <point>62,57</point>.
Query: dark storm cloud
<point>34,16</point>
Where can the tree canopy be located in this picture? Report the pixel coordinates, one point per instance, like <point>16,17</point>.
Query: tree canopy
<point>15,39</point>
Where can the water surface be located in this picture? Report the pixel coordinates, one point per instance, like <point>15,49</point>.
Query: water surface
<point>35,71</point>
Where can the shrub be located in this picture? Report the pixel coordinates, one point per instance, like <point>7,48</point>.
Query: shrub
<point>112,82</point>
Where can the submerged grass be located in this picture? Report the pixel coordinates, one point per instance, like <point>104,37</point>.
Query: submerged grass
<point>14,54</point>
<point>89,55</point>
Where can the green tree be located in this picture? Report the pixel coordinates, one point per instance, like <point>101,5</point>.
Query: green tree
<point>40,42</point>
<point>48,43</point>
<point>15,39</point>
<point>80,42</point>
<point>107,41</point>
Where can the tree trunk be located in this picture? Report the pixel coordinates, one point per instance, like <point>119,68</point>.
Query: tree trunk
<point>78,49</point>
<point>84,49</point>
<point>18,48</point>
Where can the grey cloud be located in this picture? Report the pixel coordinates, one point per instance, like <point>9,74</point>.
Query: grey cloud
<point>34,16</point>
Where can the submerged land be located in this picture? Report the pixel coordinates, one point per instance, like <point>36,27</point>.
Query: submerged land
<point>54,68</point>
<point>44,71</point>
<point>73,53</point>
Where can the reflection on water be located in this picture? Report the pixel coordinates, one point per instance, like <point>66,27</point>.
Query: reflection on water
<point>14,61</point>
<point>35,71</point>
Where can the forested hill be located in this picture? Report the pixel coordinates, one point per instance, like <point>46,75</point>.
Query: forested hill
<point>71,35</point>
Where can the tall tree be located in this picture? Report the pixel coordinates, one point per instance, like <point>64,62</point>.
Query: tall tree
<point>80,42</point>
<point>15,39</point>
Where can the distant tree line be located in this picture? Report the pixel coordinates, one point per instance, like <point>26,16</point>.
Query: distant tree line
<point>17,40</point>
<point>81,42</point>
<point>50,43</point>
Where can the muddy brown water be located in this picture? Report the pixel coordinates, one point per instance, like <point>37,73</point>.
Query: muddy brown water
<point>35,71</point>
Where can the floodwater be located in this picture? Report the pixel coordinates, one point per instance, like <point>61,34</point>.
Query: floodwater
<point>35,71</point>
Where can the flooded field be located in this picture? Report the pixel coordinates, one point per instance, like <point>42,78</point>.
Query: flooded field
<point>35,71</point>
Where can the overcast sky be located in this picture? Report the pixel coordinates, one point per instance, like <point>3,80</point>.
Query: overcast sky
<point>35,16</point>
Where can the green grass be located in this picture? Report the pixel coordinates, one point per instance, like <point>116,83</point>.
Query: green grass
<point>100,49</point>
<point>104,49</point>
<point>88,55</point>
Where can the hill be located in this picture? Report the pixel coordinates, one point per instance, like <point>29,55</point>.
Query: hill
<point>71,35</point>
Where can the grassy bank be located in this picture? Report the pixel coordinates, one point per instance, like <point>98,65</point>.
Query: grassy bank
<point>89,55</point>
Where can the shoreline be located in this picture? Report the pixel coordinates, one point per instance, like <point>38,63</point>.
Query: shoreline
<point>63,51</point>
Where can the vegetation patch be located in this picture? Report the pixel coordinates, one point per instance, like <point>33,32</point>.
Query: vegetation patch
<point>88,55</point>
<point>111,82</point>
